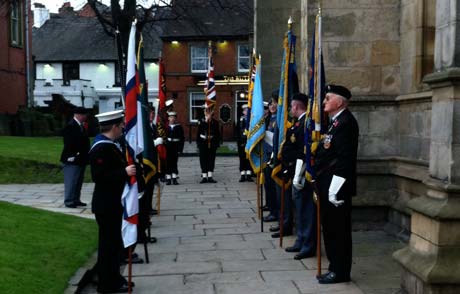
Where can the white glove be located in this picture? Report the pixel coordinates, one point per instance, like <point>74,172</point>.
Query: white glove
<point>71,159</point>
<point>299,179</point>
<point>158,141</point>
<point>334,188</point>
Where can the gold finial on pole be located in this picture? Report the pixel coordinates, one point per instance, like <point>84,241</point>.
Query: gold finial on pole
<point>209,43</point>
<point>319,6</point>
<point>290,21</point>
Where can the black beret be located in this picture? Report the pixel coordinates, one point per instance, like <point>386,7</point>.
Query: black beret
<point>339,90</point>
<point>80,110</point>
<point>301,97</point>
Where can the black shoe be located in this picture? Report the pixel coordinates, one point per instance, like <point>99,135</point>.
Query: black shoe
<point>174,181</point>
<point>242,179</point>
<point>134,260</point>
<point>265,208</point>
<point>274,229</point>
<point>303,255</point>
<point>285,233</point>
<point>211,180</point>
<point>270,218</point>
<point>70,206</point>
<point>292,249</point>
<point>122,289</point>
<point>331,278</point>
<point>204,180</point>
<point>80,203</point>
<point>322,276</point>
<point>153,212</point>
<point>248,178</point>
<point>168,182</point>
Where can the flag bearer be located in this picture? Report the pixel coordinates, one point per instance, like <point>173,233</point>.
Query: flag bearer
<point>174,146</point>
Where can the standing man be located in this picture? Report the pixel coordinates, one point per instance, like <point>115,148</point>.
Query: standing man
<point>74,156</point>
<point>269,184</point>
<point>293,160</point>
<point>245,166</point>
<point>335,166</point>
<point>174,146</point>
<point>208,140</point>
<point>110,173</point>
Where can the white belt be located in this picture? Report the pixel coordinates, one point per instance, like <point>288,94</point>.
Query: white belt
<point>173,140</point>
<point>204,137</point>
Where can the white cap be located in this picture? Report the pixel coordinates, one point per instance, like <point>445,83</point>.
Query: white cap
<point>244,106</point>
<point>111,117</point>
<point>265,104</point>
<point>172,113</point>
<point>169,102</point>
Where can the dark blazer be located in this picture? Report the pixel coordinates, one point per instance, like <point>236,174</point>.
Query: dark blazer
<point>175,138</point>
<point>338,157</point>
<point>293,147</point>
<point>208,130</point>
<point>242,138</point>
<point>76,144</point>
<point>109,175</point>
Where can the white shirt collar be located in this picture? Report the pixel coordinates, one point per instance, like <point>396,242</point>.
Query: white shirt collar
<point>302,115</point>
<point>337,114</point>
<point>78,122</point>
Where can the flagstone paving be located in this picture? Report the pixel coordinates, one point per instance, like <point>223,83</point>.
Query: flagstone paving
<point>209,241</point>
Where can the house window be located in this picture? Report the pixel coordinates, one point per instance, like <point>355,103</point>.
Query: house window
<point>199,58</point>
<point>70,71</point>
<point>16,24</point>
<point>243,58</point>
<point>196,106</point>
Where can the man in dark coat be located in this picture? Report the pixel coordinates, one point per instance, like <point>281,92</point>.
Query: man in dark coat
<point>110,173</point>
<point>245,166</point>
<point>174,146</point>
<point>208,140</point>
<point>74,156</point>
<point>293,161</point>
<point>335,166</point>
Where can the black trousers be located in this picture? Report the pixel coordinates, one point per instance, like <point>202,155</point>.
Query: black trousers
<point>244,162</point>
<point>207,159</point>
<point>172,156</point>
<point>336,223</point>
<point>109,251</point>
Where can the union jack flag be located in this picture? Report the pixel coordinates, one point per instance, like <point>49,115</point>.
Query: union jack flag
<point>210,86</point>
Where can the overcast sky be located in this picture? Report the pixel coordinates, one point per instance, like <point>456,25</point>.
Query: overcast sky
<point>54,5</point>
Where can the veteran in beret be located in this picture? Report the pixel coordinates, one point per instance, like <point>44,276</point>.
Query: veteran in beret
<point>335,166</point>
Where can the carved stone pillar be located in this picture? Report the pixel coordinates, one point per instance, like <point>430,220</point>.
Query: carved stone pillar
<point>431,261</point>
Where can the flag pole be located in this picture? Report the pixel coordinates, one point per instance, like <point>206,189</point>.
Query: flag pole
<point>261,187</point>
<point>130,268</point>
<point>283,187</point>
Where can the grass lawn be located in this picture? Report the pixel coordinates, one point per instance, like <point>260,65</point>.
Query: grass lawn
<point>31,160</point>
<point>41,250</point>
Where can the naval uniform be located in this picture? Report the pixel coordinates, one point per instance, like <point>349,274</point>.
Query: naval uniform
<point>245,166</point>
<point>109,175</point>
<point>336,155</point>
<point>208,140</point>
<point>174,146</point>
<point>305,209</point>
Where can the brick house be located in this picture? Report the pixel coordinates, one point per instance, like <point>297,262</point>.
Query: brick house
<point>185,54</point>
<point>15,55</point>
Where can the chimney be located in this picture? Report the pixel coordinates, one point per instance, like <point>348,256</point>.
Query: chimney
<point>41,14</point>
<point>66,8</point>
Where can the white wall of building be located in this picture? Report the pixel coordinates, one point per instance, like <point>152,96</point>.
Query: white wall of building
<point>49,71</point>
<point>41,15</point>
<point>102,75</point>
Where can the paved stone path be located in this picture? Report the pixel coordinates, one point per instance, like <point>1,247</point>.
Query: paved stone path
<point>209,241</point>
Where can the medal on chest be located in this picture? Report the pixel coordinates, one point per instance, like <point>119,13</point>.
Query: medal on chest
<point>293,139</point>
<point>327,141</point>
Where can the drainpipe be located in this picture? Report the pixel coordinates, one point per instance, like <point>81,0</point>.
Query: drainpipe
<point>29,94</point>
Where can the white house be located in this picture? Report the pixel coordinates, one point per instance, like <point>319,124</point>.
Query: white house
<point>75,58</point>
